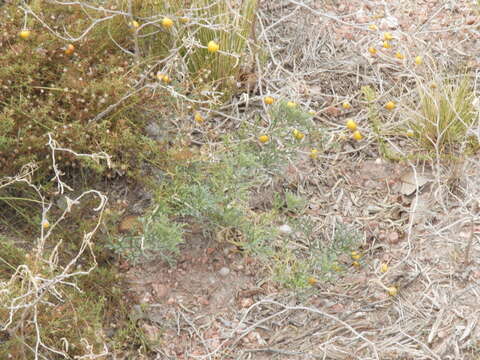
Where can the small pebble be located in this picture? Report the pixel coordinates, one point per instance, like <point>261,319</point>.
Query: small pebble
<point>224,271</point>
<point>285,229</point>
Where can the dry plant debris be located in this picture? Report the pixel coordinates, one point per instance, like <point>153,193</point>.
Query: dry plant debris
<point>410,290</point>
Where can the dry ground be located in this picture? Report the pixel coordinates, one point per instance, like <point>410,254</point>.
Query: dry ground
<point>217,303</point>
<point>419,217</point>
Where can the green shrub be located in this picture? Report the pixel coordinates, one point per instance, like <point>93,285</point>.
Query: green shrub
<point>46,91</point>
<point>159,237</point>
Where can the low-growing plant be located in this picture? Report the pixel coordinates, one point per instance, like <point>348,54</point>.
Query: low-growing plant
<point>295,203</point>
<point>217,195</point>
<point>287,115</point>
<point>45,90</point>
<point>375,120</point>
<point>157,236</point>
<point>216,192</point>
<point>43,312</point>
<point>445,113</point>
<point>289,269</point>
<point>316,259</point>
<point>345,240</point>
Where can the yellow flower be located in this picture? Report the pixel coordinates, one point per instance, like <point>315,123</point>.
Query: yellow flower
<point>313,154</point>
<point>70,49</point>
<point>198,118</point>
<point>351,125</point>
<point>357,135</point>
<point>372,50</point>
<point>24,34</point>
<point>298,134</point>
<point>213,47</point>
<point>263,138</point>
<point>392,291</point>
<point>291,104</point>
<point>399,55</point>
<point>134,24</point>
<point>268,100</point>
<point>45,224</point>
<point>166,79</point>
<point>387,36</point>
<point>312,281</point>
<point>355,255</point>
<point>356,264</point>
<point>410,133</point>
<point>386,45</point>
<point>383,268</point>
<point>167,23</point>
<point>390,105</point>
<point>373,27</point>
<point>346,105</point>
<point>418,60</point>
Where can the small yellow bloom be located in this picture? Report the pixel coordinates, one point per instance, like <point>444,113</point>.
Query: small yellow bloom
<point>166,79</point>
<point>392,291</point>
<point>373,27</point>
<point>70,49</point>
<point>167,23</point>
<point>291,104</point>
<point>198,118</point>
<point>410,133</point>
<point>351,125</point>
<point>213,47</point>
<point>387,36</point>
<point>357,135</point>
<point>356,264</point>
<point>383,268</point>
<point>263,138</point>
<point>45,224</point>
<point>268,100</point>
<point>313,154</point>
<point>355,255</point>
<point>386,45</point>
<point>372,50</point>
<point>390,105</point>
<point>346,105</point>
<point>312,281</point>
<point>418,60</point>
<point>298,134</point>
<point>399,55</point>
<point>134,24</point>
<point>24,34</point>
